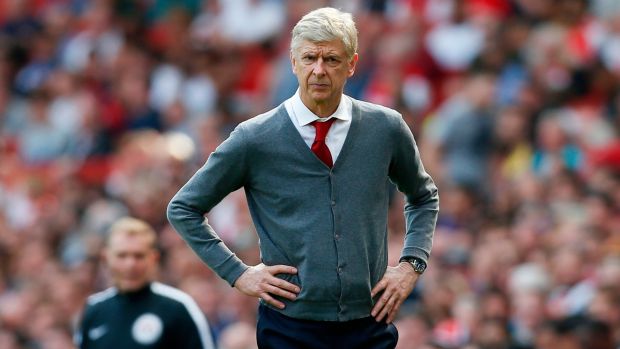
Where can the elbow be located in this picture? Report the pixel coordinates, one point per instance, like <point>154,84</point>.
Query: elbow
<point>173,212</point>
<point>180,212</point>
<point>435,197</point>
<point>428,199</point>
<point>431,197</point>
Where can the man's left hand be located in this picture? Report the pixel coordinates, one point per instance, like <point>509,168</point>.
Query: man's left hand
<point>396,284</point>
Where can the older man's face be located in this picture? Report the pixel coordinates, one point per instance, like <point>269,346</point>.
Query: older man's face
<point>322,68</point>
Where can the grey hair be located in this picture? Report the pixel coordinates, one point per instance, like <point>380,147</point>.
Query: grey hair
<point>326,24</point>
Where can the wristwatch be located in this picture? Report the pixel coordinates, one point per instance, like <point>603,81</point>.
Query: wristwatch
<point>419,266</point>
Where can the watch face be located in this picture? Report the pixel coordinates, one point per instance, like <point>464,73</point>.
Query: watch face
<point>418,266</point>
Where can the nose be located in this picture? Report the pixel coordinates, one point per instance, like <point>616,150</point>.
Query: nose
<point>318,67</point>
<point>130,262</point>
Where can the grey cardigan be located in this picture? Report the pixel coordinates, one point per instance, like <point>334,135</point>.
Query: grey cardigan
<point>331,224</point>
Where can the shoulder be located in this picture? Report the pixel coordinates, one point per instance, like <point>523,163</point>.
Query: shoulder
<point>170,293</point>
<point>263,127</point>
<point>177,298</point>
<point>97,304</point>
<point>378,117</point>
<point>102,297</point>
<point>265,119</point>
<point>372,108</point>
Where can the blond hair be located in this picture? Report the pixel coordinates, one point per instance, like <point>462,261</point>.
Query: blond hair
<point>130,226</point>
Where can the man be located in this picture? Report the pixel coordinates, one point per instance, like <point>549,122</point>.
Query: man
<point>316,174</point>
<point>137,312</point>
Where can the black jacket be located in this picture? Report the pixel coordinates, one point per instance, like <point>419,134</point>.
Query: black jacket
<point>156,316</point>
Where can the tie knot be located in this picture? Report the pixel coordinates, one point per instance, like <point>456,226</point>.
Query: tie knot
<point>322,128</point>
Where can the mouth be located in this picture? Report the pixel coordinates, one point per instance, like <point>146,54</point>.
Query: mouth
<point>319,85</point>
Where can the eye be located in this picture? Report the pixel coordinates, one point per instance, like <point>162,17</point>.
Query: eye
<point>332,60</point>
<point>308,59</point>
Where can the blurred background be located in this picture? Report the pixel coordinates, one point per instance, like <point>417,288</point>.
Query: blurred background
<point>107,108</point>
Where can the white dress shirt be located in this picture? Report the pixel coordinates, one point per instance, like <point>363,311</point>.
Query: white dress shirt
<point>302,118</point>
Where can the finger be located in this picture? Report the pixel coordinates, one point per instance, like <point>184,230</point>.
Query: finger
<point>386,309</point>
<point>285,285</point>
<point>280,292</point>
<point>380,305</point>
<point>269,299</point>
<point>381,285</point>
<point>281,269</point>
<point>394,311</point>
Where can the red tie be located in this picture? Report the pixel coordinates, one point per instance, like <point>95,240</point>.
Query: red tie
<point>318,146</point>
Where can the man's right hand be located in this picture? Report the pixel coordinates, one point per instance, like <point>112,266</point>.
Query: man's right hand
<point>260,281</point>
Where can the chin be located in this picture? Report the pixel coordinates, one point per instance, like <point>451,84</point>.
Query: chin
<point>128,287</point>
<point>319,100</point>
<point>319,97</point>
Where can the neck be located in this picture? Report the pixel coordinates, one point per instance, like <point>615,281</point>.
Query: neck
<point>136,292</point>
<point>322,109</point>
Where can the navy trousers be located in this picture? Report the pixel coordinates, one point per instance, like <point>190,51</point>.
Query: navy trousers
<point>277,331</point>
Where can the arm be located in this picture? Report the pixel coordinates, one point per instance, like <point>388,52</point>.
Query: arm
<point>225,171</point>
<point>421,195</point>
<point>421,210</point>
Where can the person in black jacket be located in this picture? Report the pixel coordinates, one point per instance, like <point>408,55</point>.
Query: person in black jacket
<point>138,312</point>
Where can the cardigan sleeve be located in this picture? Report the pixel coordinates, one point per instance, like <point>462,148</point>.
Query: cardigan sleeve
<point>421,195</point>
<point>224,172</point>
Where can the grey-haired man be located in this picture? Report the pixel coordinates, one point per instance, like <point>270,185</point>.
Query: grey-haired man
<point>316,173</point>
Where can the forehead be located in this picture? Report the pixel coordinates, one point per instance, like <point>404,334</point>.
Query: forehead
<point>130,242</point>
<point>322,47</point>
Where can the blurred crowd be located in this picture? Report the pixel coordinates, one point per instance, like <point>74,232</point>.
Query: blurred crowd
<point>107,108</point>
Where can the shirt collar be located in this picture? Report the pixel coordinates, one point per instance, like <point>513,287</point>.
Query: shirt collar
<point>304,116</point>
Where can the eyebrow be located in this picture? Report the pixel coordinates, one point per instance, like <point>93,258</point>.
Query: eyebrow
<point>326,55</point>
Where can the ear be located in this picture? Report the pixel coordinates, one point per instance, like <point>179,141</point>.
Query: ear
<point>293,60</point>
<point>352,64</point>
<point>156,256</point>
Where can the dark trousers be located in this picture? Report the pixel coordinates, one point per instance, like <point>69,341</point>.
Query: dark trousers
<point>277,331</point>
